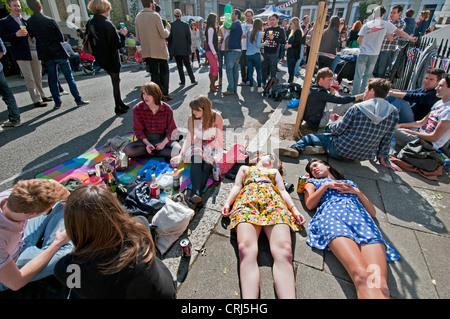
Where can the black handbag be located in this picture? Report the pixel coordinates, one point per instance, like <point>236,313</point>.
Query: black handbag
<point>140,202</point>
<point>87,40</point>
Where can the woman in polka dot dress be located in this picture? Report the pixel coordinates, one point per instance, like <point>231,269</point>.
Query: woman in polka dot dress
<point>343,224</point>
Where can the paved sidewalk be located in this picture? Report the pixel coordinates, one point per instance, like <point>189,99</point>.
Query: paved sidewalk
<point>412,214</point>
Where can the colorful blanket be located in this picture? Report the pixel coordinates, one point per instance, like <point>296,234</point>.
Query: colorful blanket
<point>79,167</point>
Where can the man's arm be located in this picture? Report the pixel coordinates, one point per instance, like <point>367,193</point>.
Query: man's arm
<point>15,278</point>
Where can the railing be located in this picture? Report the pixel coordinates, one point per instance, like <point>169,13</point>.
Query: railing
<point>409,63</point>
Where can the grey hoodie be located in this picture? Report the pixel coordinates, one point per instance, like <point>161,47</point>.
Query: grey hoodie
<point>376,109</point>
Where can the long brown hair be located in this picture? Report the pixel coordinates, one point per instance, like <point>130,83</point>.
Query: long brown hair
<point>97,224</point>
<point>211,21</point>
<point>333,171</point>
<point>257,26</point>
<point>153,89</point>
<point>201,102</point>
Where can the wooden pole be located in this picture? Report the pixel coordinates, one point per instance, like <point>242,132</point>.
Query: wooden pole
<point>317,36</point>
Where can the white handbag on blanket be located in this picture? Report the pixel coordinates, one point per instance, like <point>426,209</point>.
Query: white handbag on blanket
<point>171,221</point>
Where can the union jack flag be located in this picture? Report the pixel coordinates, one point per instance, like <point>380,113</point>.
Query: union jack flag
<point>432,63</point>
<point>411,54</point>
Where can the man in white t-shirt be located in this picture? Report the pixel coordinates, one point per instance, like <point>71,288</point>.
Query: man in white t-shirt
<point>435,127</point>
<point>370,39</point>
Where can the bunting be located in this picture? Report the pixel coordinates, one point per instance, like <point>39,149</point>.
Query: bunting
<point>286,4</point>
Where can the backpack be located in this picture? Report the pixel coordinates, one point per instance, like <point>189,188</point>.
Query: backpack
<point>285,91</point>
<point>269,86</point>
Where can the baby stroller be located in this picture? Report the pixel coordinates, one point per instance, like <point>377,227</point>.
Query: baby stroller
<point>139,58</point>
<point>87,63</point>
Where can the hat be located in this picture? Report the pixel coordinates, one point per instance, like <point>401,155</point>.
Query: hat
<point>177,12</point>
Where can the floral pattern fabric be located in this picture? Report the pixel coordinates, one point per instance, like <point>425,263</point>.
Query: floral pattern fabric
<point>260,202</point>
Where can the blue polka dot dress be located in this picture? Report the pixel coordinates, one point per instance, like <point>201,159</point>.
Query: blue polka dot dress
<point>343,215</point>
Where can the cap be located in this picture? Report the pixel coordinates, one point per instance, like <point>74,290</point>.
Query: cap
<point>177,12</point>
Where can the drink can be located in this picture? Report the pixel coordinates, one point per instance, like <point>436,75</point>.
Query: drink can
<point>301,184</point>
<point>92,172</point>
<point>23,27</point>
<point>154,190</point>
<point>185,246</point>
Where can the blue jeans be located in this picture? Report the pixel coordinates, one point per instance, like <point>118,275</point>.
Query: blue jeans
<point>336,61</point>
<point>52,69</point>
<point>299,61</point>
<point>232,68</point>
<point>42,227</point>
<point>291,63</point>
<point>254,61</point>
<point>383,62</point>
<point>10,101</point>
<point>363,71</point>
<point>270,61</point>
<point>325,140</point>
<point>406,115</point>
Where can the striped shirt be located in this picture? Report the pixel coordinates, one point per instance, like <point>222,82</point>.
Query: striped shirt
<point>356,137</point>
<point>145,122</point>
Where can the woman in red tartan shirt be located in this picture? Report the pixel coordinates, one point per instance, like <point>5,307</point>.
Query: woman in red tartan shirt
<point>154,126</point>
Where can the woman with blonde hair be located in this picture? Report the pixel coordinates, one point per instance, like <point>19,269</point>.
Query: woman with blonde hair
<point>114,253</point>
<point>203,146</point>
<point>422,23</point>
<point>293,46</point>
<point>261,202</point>
<point>106,42</point>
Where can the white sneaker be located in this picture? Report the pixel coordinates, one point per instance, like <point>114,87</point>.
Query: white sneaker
<point>10,124</point>
<point>313,150</point>
<point>286,151</point>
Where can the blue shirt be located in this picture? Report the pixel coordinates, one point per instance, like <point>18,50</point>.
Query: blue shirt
<point>234,39</point>
<point>356,137</point>
<point>254,47</point>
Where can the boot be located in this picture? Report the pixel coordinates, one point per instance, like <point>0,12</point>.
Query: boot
<point>212,86</point>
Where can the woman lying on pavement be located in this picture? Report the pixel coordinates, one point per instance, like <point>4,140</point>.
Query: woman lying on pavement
<point>261,202</point>
<point>114,252</point>
<point>153,125</point>
<point>343,224</point>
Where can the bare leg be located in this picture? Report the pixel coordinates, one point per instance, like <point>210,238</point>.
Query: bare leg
<point>357,265</point>
<point>283,273</point>
<point>247,237</point>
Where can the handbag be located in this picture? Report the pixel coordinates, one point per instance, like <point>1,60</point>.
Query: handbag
<point>140,202</point>
<point>171,222</point>
<point>421,154</point>
<point>87,41</point>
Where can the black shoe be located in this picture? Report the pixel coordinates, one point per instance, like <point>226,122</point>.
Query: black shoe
<point>81,103</point>
<point>40,104</point>
<point>57,106</point>
<point>123,106</point>
<point>196,198</point>
<point>181,83</point>
<point>194,83</point>
<point>120,111</point>
<point>47,99</point>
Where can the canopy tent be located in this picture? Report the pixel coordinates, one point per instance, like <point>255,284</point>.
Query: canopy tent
<point>271,10</point>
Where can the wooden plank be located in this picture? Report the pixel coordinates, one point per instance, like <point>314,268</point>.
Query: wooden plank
<point>317,36</point>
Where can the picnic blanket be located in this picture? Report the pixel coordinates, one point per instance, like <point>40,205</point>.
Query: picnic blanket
<point>79,167</point>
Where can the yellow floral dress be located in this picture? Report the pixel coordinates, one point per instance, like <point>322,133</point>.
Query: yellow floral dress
<point>260,202</point>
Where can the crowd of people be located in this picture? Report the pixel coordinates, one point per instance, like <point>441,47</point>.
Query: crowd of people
<point>114,251</point>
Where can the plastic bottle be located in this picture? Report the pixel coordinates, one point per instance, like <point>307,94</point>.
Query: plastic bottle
<point>392,146</point>
<point>176,180</point>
